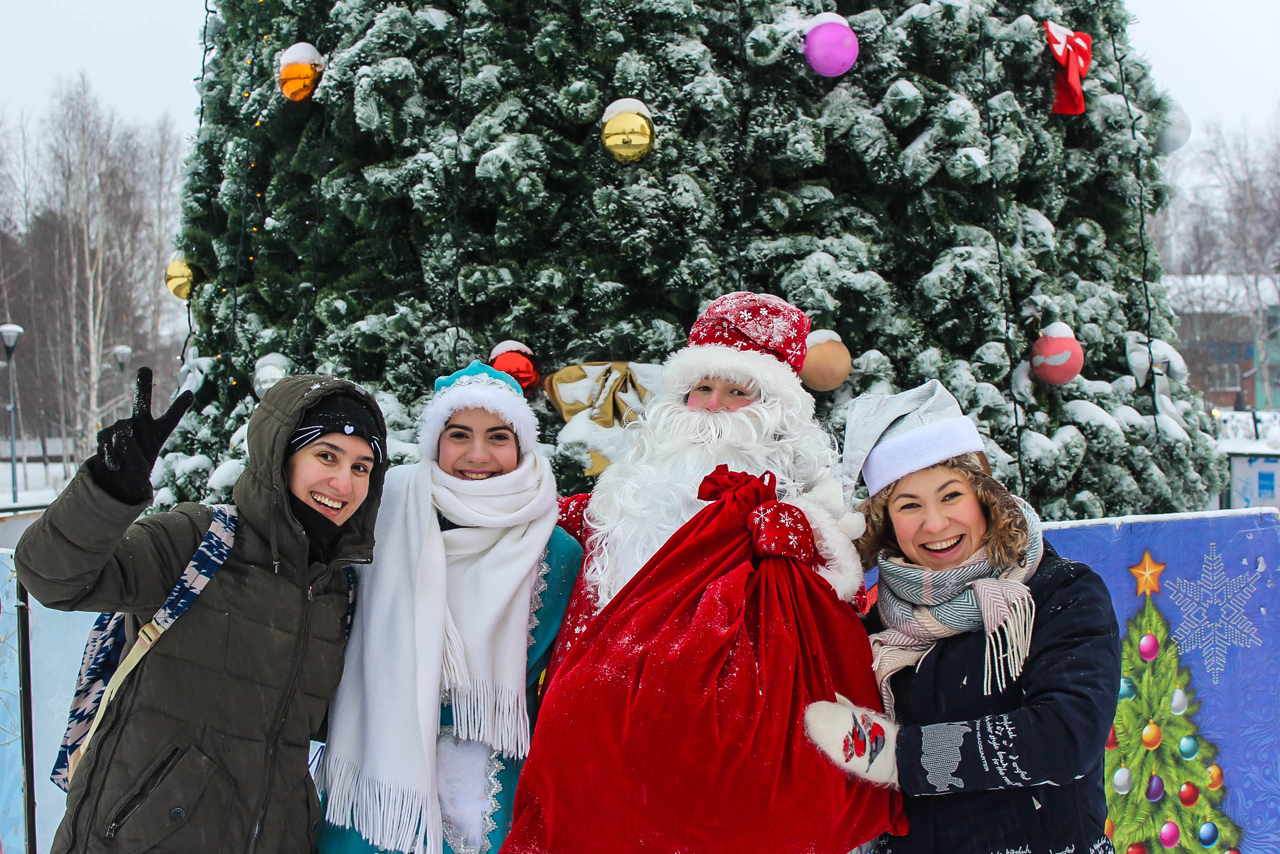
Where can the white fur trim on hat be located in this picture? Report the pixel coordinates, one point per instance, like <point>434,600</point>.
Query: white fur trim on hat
<point>508,346</point>
<point>771,376</point>
<point>919,449</point>
<point>493,396</point>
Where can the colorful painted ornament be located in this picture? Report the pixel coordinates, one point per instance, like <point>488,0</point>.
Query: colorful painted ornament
<point>830,45</point>
<point>1127,689</point>
<point>1056,357</point>
<point>300,70</point>
<point>1232,851</point>
<point>627,130</point>
<point>1122,781</point>
<point>1136,848</point>
<point>1189,794</point>
<point>179,279</point>
<point>1189,747</point>
<point>1178,703</point>
<point>827,361</point>
<point>1148,647</point>
<point>1155,788</point>
<point>1215,777</point>
<point>516,359</point>
<point>1112,744</point>
<point>1169,834</point>
<point>1109,829</point>
<point>1152,736</point>
<point>1208,834</point>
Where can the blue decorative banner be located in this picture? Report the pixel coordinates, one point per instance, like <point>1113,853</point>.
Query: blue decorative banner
<point>1213,576</point>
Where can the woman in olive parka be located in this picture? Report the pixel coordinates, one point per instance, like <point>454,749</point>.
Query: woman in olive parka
<point>204,748</point>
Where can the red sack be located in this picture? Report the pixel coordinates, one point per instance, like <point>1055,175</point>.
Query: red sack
<point>675,723</point>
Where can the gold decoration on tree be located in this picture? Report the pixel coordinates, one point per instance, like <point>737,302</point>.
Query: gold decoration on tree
<point>178,278</point>
<point>827,361</point>
<point>300,70</point>
<point>627,131</point>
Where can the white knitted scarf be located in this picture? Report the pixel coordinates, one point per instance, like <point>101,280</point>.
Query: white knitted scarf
<point>436,612</point>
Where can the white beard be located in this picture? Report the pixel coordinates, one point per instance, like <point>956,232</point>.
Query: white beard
<point>644,498</point>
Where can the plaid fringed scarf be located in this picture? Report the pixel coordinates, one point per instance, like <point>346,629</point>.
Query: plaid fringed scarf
<point>920,607</point>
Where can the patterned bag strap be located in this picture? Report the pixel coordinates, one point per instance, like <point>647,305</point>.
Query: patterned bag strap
<point>350,572</point>
<point>212,553</point>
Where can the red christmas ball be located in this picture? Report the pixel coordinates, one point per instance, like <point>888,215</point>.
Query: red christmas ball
<point>1112,744</point>
<point>515,359</point>
<point>1136,848</point>
<point>1057,357</point>
<point>1189,793</point>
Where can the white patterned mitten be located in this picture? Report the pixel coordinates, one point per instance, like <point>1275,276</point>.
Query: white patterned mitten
<point>862,742</point>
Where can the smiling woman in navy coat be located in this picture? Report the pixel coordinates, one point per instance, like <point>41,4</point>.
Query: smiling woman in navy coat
<point>998,661</point>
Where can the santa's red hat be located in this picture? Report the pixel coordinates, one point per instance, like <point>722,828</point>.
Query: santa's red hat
<point>754,339</point>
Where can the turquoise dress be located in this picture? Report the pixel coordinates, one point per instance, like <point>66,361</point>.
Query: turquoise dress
<point>551,600</point>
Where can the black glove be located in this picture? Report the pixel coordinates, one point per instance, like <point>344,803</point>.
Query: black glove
<point>128,449</point>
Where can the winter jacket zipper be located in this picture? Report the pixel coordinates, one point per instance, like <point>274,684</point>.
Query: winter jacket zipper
<point>129,807</point>
<point>273,740</point>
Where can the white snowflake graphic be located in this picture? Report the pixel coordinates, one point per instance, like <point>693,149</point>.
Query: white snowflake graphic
<point>1213,613</point>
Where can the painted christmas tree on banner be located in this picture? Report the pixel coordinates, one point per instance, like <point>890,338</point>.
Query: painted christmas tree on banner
<point>1166,790</point>
<point>957,190</point>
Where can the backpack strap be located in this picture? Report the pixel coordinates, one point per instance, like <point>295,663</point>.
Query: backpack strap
<point>212,553</point>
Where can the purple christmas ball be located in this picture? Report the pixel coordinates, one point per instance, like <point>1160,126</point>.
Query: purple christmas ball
<point>830,45</point>
<point>1148,647</point>
<point>1155,788</point>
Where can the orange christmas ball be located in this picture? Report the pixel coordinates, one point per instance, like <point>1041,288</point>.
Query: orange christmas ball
<point>1215,777</point>
<point>300,70</point>
<point>827,362</point>
<point>1109,829</point>
<point>1152,736</point>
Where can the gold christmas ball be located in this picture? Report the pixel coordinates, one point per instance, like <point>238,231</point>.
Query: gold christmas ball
<point>1152,736</point>
<point>1215,777</point>
<point>827,362</point>
<point>179,279</point>
<point>627,132</point>
<point>300,70</point>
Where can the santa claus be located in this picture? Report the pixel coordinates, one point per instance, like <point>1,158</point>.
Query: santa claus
<point>732,397</point>
<point>714,600</point>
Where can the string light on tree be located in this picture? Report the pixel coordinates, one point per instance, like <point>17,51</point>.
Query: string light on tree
<point>300,69</point>
<point>627,130</point>
<point>830,45</point>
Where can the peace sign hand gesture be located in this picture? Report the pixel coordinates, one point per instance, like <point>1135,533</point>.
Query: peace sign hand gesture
<point>128,449</point>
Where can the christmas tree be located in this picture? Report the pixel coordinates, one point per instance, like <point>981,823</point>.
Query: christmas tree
<point>446,188</point>
<point>1165,789</point>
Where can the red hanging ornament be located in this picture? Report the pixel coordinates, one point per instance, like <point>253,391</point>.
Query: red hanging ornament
<point>1056,357</point>
<point>1112,744</point>
<point>1189,794</point>
<point>1136,848</point>
<point>1074,52</point>
<point>516,359</point>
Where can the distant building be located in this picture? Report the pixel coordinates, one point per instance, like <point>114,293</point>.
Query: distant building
<point>1229,334</point>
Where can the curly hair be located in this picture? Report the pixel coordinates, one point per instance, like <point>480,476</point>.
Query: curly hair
<point>1006,538</point>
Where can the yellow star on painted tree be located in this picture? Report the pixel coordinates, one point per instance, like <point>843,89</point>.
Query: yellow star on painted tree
<point>1148,574</point>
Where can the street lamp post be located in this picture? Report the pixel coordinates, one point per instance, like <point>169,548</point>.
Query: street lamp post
<point>9,334</point>
<point>121,353</point>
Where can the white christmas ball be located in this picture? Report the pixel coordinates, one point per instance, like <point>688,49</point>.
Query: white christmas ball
<point>1178,703</point>
<point>1177,132</point>
<point>1123,781</point>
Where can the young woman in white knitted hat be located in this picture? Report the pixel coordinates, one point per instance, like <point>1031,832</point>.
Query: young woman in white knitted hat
<point>998,661</point>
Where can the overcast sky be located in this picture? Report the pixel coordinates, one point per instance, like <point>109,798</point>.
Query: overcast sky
<point>1218,59</point>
